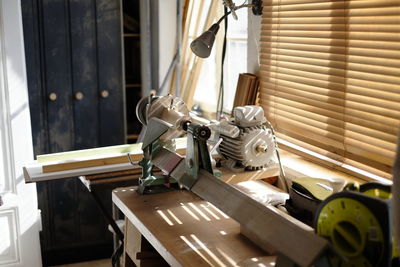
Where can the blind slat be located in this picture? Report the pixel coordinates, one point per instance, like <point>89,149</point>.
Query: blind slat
<point>337,35</point>
<point>337,92</point>
<point>296,2</point>
<point>340,103</point>
<point>382,11</point>
<point>323,152</point>
<point>332,65</point>
<point>330,29</point>
<point>338,69</point>
<point>356,131</point>
<point>335,45</point>
<point>334,20</point>
<point>342,131</point>
<point>334,103</point>
<point>381,126</point>
<point>339,57</point>
<point>283,6</point>
<point>377,161</point>
<point>324,81</point>
<point>381,106</point>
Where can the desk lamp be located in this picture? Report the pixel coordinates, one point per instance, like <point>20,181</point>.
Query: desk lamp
<point>203,44</point>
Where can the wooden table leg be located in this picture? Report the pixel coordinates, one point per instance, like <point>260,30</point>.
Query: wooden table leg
<point>138,251</point>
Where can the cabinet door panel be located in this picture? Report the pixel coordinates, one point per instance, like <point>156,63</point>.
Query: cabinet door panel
<point>65,219</point>
<point>32,21</point>
<point>58,80</point>
<point>109,39</point>
<point>84,72</point>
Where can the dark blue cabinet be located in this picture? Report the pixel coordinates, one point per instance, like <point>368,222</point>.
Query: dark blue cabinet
<point>74,65</point>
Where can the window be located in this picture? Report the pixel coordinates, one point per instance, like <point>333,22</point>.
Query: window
<point>207,88</point>
<point>6,175</point>
<point>330,80</point>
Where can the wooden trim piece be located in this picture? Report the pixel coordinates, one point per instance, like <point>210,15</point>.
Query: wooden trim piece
<point>79,164</point>
<point>230,177</point>
<point>273,227</point>
<point>97,157</point>
<point>73,155</point>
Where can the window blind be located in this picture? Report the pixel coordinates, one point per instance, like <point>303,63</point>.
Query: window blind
<point>330,78</point>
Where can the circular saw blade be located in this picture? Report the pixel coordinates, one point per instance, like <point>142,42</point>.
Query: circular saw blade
<point>142,108</point>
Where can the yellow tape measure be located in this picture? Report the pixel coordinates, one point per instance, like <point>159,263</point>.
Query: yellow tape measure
<point>358,226</point>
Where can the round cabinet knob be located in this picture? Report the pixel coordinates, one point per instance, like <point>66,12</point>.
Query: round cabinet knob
<point>104,93</point>
<point>79,95</point>
<point>53,96</point>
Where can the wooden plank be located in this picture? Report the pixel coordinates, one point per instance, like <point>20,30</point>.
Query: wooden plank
<point>236,177</point>
<point>33,172</point>
<point>76,154</point>
<point>138,249</point>
<point>113,174</point>
<point>186,230</point>
<point>271,227</point>
<point>97,157</point>
<point>132,242</point>
<point>113,179</point>
<point>79,164</point>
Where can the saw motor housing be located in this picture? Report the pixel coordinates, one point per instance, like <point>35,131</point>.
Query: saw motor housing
<point>247,143</point>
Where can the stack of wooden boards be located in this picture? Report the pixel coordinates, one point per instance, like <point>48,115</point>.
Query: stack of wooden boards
<point>96,163</point>
<point>97,157</point>
<point>112,163</point>
<point>246,90</point>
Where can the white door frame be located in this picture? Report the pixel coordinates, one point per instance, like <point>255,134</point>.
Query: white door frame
<point>19,214</point>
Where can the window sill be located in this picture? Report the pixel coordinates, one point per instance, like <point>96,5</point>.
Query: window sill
<point>297,166</point>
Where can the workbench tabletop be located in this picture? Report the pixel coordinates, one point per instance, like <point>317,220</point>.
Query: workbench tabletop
<point>188,231</point>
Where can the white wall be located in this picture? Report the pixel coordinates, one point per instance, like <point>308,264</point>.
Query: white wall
<point>158,20</point>
<point>167,31</point>
<point>254,30</point>
<point>19,216</point>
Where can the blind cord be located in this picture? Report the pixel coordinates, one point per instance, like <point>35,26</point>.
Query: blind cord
<point>282,176</point>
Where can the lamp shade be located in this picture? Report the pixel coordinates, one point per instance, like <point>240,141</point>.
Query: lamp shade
<point>203,44</point>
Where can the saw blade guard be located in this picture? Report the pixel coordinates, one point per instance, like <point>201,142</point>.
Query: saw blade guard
<point>167,108</point>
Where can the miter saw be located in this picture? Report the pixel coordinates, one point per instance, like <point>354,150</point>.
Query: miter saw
<point>244,141</point>
<point>165,118</point>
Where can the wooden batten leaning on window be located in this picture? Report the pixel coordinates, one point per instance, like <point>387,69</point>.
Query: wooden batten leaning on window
<point>330,79</point>
<point>246,90</point>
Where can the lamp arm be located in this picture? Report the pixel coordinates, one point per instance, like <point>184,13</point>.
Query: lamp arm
<point>202,45</point>
<point>229,12</point>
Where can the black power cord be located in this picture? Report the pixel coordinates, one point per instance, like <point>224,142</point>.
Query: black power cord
<point>220,103</point>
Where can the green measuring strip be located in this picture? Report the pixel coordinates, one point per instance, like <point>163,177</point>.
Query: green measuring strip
<point>100,151</point>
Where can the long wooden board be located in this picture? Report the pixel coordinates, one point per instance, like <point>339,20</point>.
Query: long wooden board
<point>84,153</point>
<point>267,226</point>
<point>236,177</point>
<point>97,157</point>
<point>33,172</point>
